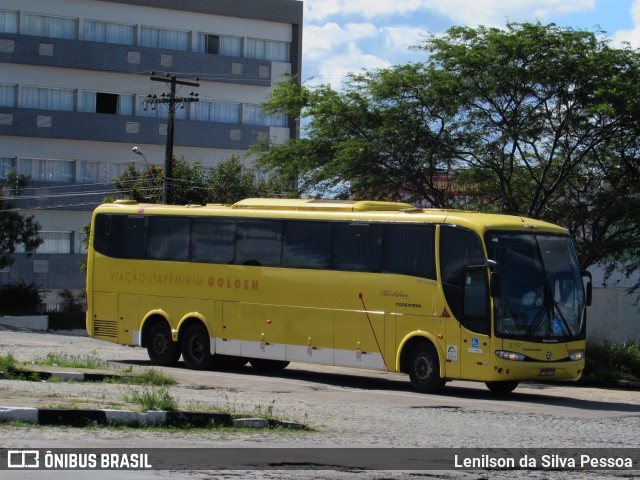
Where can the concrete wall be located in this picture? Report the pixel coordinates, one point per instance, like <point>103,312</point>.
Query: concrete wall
<point>613,316</point>
<point>33,322</point>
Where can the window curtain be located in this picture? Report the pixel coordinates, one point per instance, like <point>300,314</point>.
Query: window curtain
<point>231,46</point>
<point>267,50</point>
<point>125,104</point>
<point>106,32</point>
<point>218,112</point>
<point>42,170</point>
<point>253,116</point>
<point>160,38</point>
<point>8,21</point>
<point>228,46</point>
<point>87,102</point>
<point>7,95</point>
<point>55,242</point>
<point>100,172</point>
<point>45,26</point>
<point>47,98</point>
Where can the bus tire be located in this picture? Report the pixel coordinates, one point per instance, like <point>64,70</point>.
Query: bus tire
<point>264,365</point>
<point>424,369</point>
<point>161,348</point>
<point>196,347</point>
<point>503,387</point>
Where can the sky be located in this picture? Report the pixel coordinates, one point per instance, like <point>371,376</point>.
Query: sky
<point>342,36</point>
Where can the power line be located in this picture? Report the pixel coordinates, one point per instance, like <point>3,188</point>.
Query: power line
<point>173,101</point>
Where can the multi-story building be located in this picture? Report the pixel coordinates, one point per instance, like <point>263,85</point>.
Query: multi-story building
<point>73,77</point>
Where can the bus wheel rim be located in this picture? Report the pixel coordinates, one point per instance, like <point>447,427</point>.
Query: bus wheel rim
<point>424,367</point>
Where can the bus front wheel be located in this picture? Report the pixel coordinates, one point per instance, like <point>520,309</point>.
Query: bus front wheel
<point>196,351</point>
<point>424,369</point>
<point>502,388</point>
<point>161,348</point>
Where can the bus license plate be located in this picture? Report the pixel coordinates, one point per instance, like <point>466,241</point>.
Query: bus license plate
<point>547,372</point>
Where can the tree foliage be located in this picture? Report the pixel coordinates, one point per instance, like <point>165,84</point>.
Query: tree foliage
<point>226,183</point>
<point>534,120</point>
<point>15,228</point>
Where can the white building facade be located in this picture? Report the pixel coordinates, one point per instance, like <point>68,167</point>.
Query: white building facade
<point>73,77</point>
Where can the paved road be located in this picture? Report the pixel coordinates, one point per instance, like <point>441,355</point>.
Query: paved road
<point>345,407</point>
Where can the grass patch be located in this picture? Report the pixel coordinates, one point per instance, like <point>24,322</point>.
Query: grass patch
<point>90,361</point>
<point>152,398</point>
<point>608,361</point>
<point>11,371</point>
<point>149,377</point>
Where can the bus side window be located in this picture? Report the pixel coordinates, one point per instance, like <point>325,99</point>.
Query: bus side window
<point>410,250</point>
<point>134,240</point>
<point>213,240</point>
<point>357,247</point>
<point>108,234</point>
<point>169,238</point>
<point>259,242</point>
<point>307,245</point>
<point>459,249</point>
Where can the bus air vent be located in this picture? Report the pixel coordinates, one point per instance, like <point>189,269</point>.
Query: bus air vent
<point>105,328</point>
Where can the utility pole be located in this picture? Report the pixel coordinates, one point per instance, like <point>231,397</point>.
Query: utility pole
<point>172,101</point>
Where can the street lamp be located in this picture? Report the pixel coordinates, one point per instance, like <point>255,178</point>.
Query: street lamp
<point>137,151</point>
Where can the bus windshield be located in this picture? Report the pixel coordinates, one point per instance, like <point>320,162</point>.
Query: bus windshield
<point>542,295</point>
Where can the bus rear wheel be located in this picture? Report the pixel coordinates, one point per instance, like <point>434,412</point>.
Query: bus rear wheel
<point>264,365</point>
<point>424,369</point>
<point>161,348</point>
<point>502,388</point>
<point>196,351</point>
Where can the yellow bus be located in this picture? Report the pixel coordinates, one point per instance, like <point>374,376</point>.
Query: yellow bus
<point>436,294</point>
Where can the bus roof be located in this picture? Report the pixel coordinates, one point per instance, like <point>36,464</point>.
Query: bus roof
<point>321,205</point>
<point>343,210</point>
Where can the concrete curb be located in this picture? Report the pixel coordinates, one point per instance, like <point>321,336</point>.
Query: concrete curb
<point>84,418</point>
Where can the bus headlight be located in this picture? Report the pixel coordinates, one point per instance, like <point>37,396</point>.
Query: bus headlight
<point>576,355</point>
<point>510,355</point>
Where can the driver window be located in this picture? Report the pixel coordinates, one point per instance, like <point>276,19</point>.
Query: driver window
<point>460,249</point>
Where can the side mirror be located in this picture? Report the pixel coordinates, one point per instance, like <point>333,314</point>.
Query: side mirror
<point>495,285</point>
<point>589,289</point>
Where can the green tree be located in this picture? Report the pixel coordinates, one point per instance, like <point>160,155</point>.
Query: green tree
<point>15,228</point>
<point>143,186</point>
<point>533,120</point>
<point>227,182</point>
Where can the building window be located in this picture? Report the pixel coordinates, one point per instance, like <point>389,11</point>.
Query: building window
<point>48,26</point>
<point>220,45</point>
<point>47,98</point>
<point>100,102</point>
<point>44,170</point>
<point>8,21</point>
<point>6,164</point>
<point>106,32</point>
<point>55,242</point>
<point>161,38</point>
<point>267,50</point>
<point>100,172</point>
<point>218,112</point>
<point>253,116</point>
<point>7,95</point>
